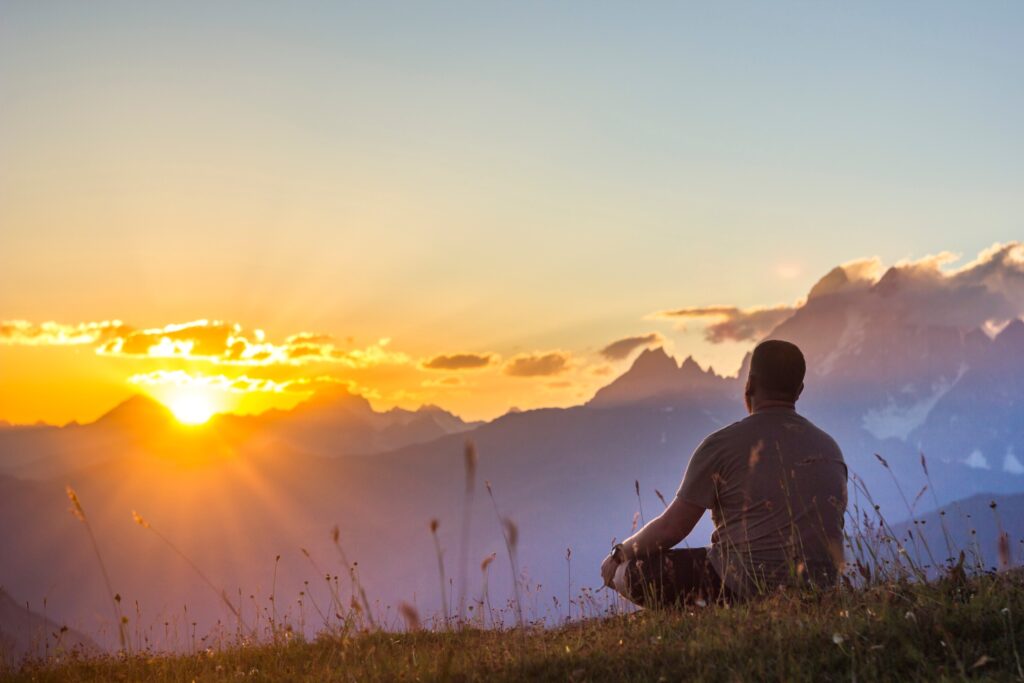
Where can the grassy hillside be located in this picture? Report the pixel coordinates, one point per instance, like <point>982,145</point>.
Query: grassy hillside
<point>952,629</point>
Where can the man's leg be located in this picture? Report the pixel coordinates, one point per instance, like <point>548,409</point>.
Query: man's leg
<point>670,578</point>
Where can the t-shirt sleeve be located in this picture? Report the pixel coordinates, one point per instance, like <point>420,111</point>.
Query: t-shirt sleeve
<point>698,485</point>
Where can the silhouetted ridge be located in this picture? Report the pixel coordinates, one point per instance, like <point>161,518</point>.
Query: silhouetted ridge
<point>691,367</point>
<point>655,375</point>
<point>137,411</point>
<point>835,280</point>
<point>1012,336</point>
<point>651,361</point>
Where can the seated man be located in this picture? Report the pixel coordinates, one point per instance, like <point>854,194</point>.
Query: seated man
<point>776,488</point>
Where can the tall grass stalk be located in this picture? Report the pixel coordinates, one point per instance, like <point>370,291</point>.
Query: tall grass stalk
<point>910,511</point>
<point>639,501</point>
<point>568,569</point>
<point>220,592</point>
<point>357,585</point>
<point>115,598</point>
<point>336,606</point>
<point>950,554</point>
<point>469,465</point>
<point>510,534</point>
<point>273,600</point>
<point>485,595</point>
<point>434,524</point>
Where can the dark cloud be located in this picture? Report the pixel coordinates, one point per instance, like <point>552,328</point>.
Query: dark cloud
<point>928,292</point>
<point>621,348</point>
<point>538,364</point>
<point>984,292</point>
<point>729,323</point>
<point>458,361</point>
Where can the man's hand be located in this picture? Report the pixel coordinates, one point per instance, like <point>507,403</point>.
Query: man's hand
<point>608,568</point>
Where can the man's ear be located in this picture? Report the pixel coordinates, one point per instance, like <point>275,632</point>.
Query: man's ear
<point>798,392</point>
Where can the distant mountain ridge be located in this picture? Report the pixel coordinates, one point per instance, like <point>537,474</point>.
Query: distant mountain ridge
<point>655,375</point>
<point>25,633</point>
<point>332,423</point>
<point>882,380</point>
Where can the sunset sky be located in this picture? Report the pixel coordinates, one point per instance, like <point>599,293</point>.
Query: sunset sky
<point>465,204</point>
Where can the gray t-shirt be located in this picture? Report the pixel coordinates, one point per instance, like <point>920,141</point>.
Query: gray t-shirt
<point>776,488</point>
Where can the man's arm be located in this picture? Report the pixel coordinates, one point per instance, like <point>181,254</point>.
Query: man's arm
<point>665,530</point>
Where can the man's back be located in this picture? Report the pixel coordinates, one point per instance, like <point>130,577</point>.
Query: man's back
<point>776,486</point>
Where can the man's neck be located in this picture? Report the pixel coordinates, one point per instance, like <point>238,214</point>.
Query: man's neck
<point>760,405</point>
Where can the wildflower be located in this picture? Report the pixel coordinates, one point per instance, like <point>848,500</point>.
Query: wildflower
<point>838,639</point>
<point>910,616</point>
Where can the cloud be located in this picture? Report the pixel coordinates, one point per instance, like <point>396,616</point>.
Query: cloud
<point>458,361</point>
<point>860,274</point>
<point>927,291</point>
<point>180,378</point>
<point>538,364</point>
<point>25,333</point>
<point>730,323</point>
<point>621,348</point>
<point>444,382</point>
<point>211,341</point>
<point>983,293</point>
<point>242,384</point>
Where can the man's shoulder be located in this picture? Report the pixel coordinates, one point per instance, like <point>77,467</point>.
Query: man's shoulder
<point>823,437</point>
<point>721,435</point>
<point>817,429</point>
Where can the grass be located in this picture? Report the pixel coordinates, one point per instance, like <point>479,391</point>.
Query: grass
<point>888,619</point>
<point>951,629</point>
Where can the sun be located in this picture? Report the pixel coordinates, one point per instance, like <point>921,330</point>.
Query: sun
<point>192,409</point>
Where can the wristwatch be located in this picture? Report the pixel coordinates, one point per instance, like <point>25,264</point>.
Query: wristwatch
<point>618,553</point>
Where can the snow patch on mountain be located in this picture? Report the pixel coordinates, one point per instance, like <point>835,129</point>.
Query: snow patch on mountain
<point>849,343</point>
<point>1011,463</point>
<point>899,420</point>
<point>977,460</point>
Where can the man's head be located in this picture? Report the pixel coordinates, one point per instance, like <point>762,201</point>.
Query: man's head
<point>777,371</point>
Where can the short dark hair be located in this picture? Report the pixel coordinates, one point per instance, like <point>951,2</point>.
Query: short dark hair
<point>779,367</point>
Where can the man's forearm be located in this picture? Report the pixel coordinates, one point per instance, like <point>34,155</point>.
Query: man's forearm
<point>655,535</point>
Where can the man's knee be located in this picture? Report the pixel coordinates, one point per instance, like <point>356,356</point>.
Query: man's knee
<point>620,582</point>
<point>638,581</point>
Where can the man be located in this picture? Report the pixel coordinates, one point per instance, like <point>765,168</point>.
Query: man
<point>776,488</point>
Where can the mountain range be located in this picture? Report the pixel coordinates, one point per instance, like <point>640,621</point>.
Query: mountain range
<point>913,402</point>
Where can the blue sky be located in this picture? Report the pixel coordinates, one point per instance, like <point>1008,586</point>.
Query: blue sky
<point>510,177</point>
